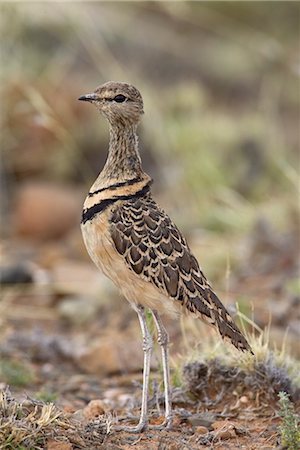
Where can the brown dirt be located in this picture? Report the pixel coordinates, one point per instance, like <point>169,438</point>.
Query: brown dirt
<point>243,415</point>
<point>63,337</point>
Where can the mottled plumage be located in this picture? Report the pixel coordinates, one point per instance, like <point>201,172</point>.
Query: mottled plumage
<point>156,251</point>
<point>136,244</point>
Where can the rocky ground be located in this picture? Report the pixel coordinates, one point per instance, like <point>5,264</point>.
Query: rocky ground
<point>68,338</point>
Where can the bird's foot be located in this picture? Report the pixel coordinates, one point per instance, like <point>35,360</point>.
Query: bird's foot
<point>167,425</point>
<point>139,428</point>
<point>143,425</point>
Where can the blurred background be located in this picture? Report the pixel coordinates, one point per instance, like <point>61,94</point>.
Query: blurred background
<point>220,138</point>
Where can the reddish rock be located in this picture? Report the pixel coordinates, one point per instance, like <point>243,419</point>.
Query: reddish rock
<point>94,409</point>
<point>113,353</point>
<point>46,211</point>
<point>201,430</point>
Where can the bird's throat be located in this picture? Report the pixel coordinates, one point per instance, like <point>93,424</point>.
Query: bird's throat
<point>123,161</point>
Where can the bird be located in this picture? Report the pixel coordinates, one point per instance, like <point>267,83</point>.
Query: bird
<point>135,243</point>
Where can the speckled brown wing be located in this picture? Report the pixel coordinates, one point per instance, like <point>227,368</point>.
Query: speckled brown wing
<point>155,250</point>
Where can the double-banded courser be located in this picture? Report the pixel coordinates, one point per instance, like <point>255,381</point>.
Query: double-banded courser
<point>135,243</point>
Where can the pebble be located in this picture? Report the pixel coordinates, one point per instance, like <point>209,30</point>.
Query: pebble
<point>223,429</point>
<point>94,409</point>
<point>227,433</point>
<point>201,430</point>
<point>203,420</point>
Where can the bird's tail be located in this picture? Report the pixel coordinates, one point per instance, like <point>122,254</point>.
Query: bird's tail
<point>228,330</point>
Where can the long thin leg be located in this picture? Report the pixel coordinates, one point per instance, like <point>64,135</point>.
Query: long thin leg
<point>147,348</point>
<point>163,340</point>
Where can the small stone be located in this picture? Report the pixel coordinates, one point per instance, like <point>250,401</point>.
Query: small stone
<point>227,433</point>
<point>244,399</point>
<point>202,420</point>
<point>201,430</point>
<point>224,430</point>
<point>94,409</point>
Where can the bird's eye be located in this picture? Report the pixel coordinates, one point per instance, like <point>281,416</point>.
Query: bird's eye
<point>120,98</point>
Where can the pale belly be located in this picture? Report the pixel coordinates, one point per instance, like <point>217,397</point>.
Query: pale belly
<point>134,288</point>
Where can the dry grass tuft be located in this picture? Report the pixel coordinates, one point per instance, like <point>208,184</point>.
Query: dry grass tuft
<point>213,381</point>
<point>31,424</point>
<point>222,371</point>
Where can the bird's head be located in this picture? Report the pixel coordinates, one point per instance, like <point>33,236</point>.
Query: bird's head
<point>121,103</point>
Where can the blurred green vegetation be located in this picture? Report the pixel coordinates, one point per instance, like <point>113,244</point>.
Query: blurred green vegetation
<point>46,395</point>
<point>290,432</point>
<point>220,83</point>
<point>15,373</point>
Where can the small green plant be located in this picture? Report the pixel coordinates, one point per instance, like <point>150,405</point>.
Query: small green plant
<point>46,395</point>
<point>15,373</point>
<point>290,434</point>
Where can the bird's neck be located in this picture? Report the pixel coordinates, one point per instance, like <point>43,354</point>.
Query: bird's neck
<point>123,161</point>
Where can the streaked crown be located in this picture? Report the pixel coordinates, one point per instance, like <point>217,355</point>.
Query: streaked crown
<point>120,103</point>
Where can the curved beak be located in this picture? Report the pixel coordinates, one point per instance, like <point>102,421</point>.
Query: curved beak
<point>88,97</point>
